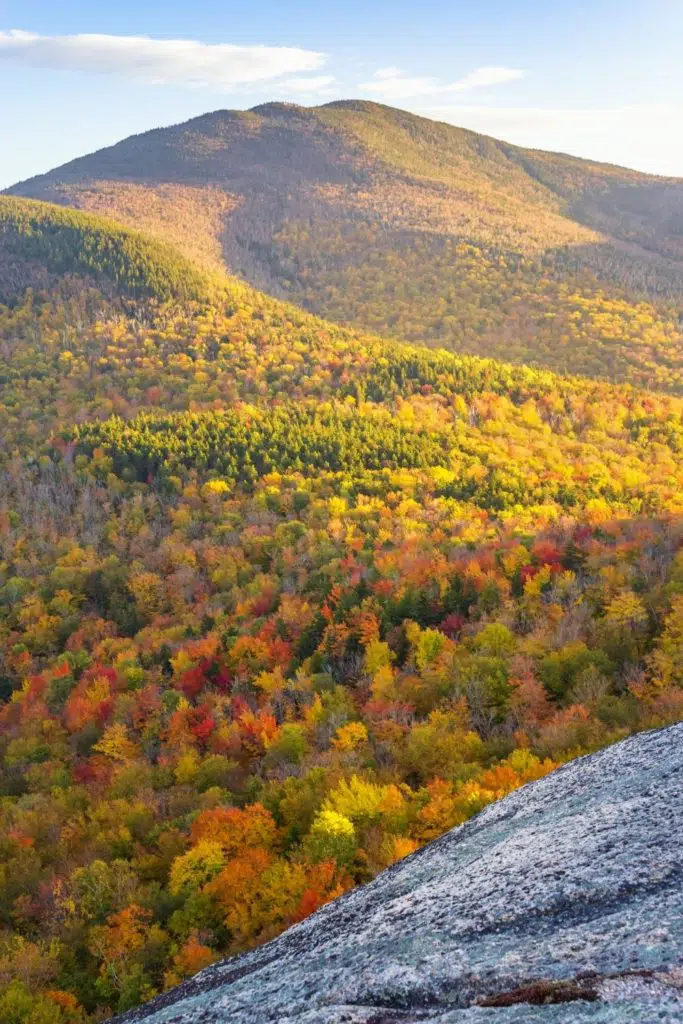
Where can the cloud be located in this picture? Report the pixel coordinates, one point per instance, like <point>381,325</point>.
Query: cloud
<point>486,76</point>
<point>392,84</point>
<point>158,61</point>
<point>387,73</point>
<point>313,83</point>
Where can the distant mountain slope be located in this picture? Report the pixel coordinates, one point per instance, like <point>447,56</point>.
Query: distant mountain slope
<point>517,910</point>
<point>41,245</point>
<point>375,217</point>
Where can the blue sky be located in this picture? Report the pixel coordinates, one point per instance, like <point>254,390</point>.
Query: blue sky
<point>601,79</point>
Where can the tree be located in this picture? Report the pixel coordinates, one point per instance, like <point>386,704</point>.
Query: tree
<point>332,837</point>
<point>198,866</point>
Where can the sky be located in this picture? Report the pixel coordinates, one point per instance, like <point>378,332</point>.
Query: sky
<point>595,78</point>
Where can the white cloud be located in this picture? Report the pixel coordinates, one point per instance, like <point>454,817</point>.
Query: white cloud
<point>392,84</point>
<point>387,73</point>
<point>641,136</point>
<point>398,87</point>
<point>158,61</point>
<point>312,83</point>
<point>482,77</point>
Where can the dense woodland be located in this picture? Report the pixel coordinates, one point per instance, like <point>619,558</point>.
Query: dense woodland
<point>531,310</point>
<point>281,602</point>
<point>41,244</point>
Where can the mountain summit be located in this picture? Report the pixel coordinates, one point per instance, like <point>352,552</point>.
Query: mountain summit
<point>376,217</point>
<point>560,903</point>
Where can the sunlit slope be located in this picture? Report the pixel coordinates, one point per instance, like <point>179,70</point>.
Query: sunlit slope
<point>249,385</point>
<point>404,226</point>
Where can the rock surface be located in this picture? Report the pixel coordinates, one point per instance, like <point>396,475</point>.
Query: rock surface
<point>562,903</point>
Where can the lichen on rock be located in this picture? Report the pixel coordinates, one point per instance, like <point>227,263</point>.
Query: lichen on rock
<point>561,903</point>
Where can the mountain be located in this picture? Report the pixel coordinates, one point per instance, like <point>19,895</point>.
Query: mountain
<point>378,218</point>
<point>560,903</point>
<point>281,602</point>
<point>42,246</point>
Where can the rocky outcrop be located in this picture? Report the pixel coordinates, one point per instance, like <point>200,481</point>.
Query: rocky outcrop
<point>562,903</point>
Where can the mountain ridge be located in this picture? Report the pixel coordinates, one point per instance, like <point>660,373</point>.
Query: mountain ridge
<point>281,107</point>
<point>393,223</point>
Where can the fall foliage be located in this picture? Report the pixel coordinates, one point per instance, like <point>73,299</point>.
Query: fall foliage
<point>412,228</point>
<point>279,604</point>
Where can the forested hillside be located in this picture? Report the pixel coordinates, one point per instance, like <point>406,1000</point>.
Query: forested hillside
<point>281,602</point>
<point>417,229</point>
<point>44,246</point>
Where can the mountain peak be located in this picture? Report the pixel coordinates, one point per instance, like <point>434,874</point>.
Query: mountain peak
<point>361,106</point>
<point>391,222</point>
<point>278,108</point>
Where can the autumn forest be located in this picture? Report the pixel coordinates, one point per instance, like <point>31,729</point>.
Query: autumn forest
<point>283,598</point>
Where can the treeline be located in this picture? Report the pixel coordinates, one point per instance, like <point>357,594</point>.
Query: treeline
<point>508,458</point>
<point>504,436</point>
